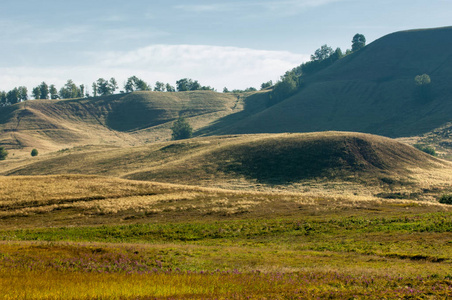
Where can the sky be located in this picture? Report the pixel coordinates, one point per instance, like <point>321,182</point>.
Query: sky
<point>234,44</point>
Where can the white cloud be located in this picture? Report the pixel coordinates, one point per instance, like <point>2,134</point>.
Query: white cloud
<point>275,7</point>
<point>212,65</point>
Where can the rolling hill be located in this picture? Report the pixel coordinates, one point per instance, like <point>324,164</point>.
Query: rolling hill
<point>123,120</point>
<point>328,162</point>
<point>372,90</point>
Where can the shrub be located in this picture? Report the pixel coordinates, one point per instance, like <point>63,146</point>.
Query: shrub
<point>34,152</point>
<point>3,153</point>
<point>427,149</point>
<point>181,129</point>
<point>446,199</point>
<point>423,87</point>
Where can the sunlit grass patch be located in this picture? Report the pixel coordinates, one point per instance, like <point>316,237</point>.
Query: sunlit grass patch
<point>217,285</point>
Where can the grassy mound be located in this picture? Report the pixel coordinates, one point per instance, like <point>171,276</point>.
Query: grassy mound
<point>288,158</point>
<point>265,161</point>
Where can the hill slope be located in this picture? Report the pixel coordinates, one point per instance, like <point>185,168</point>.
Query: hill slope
<point>281,161</point>
<point>372,90</point>
<point>125,119</point>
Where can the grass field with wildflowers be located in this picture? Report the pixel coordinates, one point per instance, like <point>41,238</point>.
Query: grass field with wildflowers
<point>93,237</point>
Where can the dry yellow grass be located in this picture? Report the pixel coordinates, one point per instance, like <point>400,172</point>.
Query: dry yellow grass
<point>75,200</point>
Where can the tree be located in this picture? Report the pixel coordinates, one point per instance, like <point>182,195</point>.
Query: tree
<point>44,90</point>
<point>3,153</point>
<point>423,79</point>
<point>3,99</point>
<point>23,93</point>
<point>250,89</point>
<point>70,91</point>
<point>103,87</point>
<point>53,92</point>
<point>170,88</point>
<point>423,87</point>
<point>94,89</point>
<point>266,84</point>
<point>284,88</point>
<point>36,92</point>
<point>358,42</point>
<point>183,85</point>
<point>82,91</point>
<point>113,85</point>
<point>187,84</point>
<point>225,90</point>
<point>13,96</point>
<point>181,129</point>
<point>322,53</point>
<point>159,86</point>
<point>136,84</point>
<point>129,87</point>
<point>34,152</point>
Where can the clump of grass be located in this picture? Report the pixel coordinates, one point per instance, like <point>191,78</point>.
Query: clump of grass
<point>446,199</point>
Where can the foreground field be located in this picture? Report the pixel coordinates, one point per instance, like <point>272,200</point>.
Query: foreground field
<point>85,237</point>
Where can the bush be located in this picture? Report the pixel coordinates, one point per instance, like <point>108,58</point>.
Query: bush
<point>3,153</point>
<point>446,199</point>
<point>181,129</point>
<point>427,149</point>
<point>34,152</point>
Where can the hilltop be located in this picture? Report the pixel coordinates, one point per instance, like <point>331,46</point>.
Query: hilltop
<point>120,120</point>
<point>311,162</point>
<point>372,90</point>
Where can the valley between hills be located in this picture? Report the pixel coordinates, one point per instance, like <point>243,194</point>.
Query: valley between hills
<point>321,195</point>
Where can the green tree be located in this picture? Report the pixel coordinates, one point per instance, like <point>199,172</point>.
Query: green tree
<point>94,89</point>
<point>3,99</point>
<point>82,91</point>
<point>423,79</point>
<point>187,84</point>
<point>136,84</point>
<point>170,88</point>
<point>3,153</point>
<point>53,92</point>
<point>181,129</point>
<point>266,85</point>
<point>286,87</point>
<point>70,90</point>
<point>159,86</point>
<point>23,93</point>
<point>225,90</point>
<point>44,90</point>
<point>36,92</point>
<point>322,53</point>
<point>358,42</point>
<point>103,87</point>
<point>423,87</point>
<point>34,152</point>
<point>13,96</point>
<point>113,85</point>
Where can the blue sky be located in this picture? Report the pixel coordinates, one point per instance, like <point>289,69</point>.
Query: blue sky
<point>236,44</point>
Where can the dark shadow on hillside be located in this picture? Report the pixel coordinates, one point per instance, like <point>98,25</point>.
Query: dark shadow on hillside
<point>134,115</point>
<point>277,163</point>
<point>252,104</point>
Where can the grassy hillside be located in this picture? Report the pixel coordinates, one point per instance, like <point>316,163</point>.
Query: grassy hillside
<point>329,162</point>
<point>125,119</point>
<point>91,237</point>
<point>372,90</point>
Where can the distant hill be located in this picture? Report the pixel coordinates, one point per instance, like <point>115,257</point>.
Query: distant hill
<point>124,119</point>
<point>372,90</point>
<point>282,161</point>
